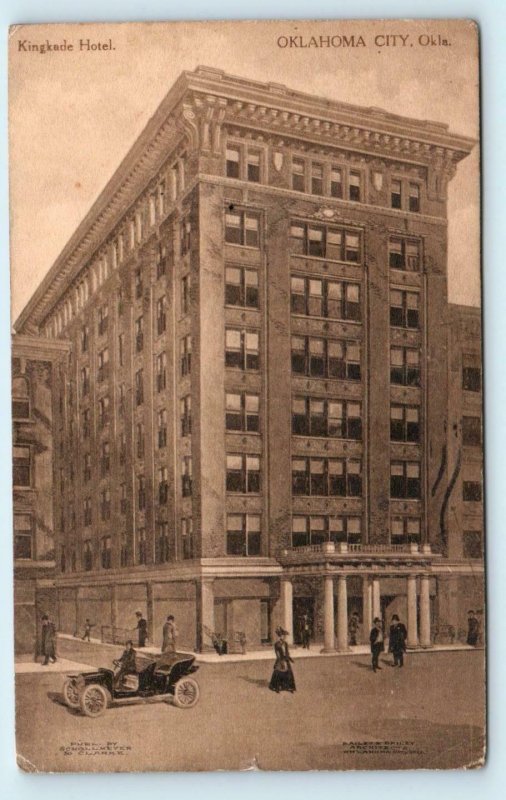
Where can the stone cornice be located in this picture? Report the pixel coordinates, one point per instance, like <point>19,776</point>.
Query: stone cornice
<point>195,110</point>
<point>40,349</point>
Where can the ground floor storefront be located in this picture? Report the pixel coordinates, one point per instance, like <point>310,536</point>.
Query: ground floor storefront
<point>241,611</point>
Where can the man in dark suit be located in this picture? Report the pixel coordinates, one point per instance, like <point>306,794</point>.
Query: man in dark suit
<point>473,629</point>
<point>48,637</point>
<point>142,629</point>
<point>397,641</point>
<point>126,664</point>
<point>377,642</point>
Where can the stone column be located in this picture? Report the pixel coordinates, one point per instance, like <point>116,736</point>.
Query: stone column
<point>328,615</point>
<point>342,613</point>
<point>150,612</point>
<point>366,608</point>
<point>207,612</point>
<point>425,640</point>
<point>412,622</point>
<point>376,598</point>
<point>287,607</point>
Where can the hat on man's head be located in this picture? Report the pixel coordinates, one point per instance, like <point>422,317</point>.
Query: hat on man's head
<point>395,617</point>
<point>281,632</point>
<point>376,619</point>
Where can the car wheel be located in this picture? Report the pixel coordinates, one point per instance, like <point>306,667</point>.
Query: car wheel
<point>71,694</point>
<point>186,693</point>
<point>94,700</point>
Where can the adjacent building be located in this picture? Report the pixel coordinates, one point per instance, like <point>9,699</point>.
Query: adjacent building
<point>253,420</point>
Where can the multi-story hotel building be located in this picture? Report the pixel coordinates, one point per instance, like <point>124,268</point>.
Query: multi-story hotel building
<point>252,420</point>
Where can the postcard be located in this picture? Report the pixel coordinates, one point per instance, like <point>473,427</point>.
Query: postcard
<point>247,396</point>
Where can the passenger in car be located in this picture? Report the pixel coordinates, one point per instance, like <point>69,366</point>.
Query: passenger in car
<point>126,664</point>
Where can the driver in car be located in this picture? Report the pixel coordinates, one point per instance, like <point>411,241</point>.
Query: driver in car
<point>126,664</point>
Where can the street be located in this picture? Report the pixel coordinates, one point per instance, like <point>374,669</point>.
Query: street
<point>343,716</point>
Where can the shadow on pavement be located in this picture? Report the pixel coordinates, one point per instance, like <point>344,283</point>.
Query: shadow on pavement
<point>57,698</point>
<point>262,683</point>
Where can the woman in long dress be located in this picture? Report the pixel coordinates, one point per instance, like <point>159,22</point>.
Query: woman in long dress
<point>282,679</point>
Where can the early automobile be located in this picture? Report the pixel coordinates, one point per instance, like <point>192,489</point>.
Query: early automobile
<point>157,679</point>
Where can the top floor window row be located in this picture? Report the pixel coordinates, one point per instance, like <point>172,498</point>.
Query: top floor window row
<point>244,162</point>
<point>325,241</point>
<point>326,179</point>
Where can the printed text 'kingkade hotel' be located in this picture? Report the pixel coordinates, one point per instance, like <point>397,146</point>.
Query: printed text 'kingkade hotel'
<point>262,403</point>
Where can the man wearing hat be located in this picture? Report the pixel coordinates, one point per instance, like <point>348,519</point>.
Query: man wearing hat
<point>142,629</point>
<point>377,642</point>
<point>397,641</point>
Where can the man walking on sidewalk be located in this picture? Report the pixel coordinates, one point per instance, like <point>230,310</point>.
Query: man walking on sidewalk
<point>142,629</point>
<point>48,640</point>
<point>377,643</point>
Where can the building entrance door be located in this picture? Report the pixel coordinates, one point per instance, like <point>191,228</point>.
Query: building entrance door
<point>302,606</point>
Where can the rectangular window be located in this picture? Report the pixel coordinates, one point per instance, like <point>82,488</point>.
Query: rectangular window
<point>85,338</point>
<point>138,283</point>
<point>139,440</point>
<point>103,319</point>
<point>87,555</point>
<point>414,197</point>
<point>85,381</point>
<point>298,175</point>
<point>242,412</point>
<point>105,458</point>
<point>243,474</point>
<point>122,448</point>
<point>187,538</point>
<point>405,479</point>
<point>471,491</point>
<point>233,161</point>
<point>472,544</point>
<point>318,297</point>
<point>103,364</point>
<point>316,178</point>
<point>396,194</point>
<point>162,258</point>
<point>162,428</point>
<point>404,309</point>
<point>185,235</point>
<point>142,546</point>
<point>163,486</point>
<point>139,334</point>
<point>341,419</point>
<point>161,315</point>
<point>86,426</point>
<point>354,186</point>
<point>471,374</point>
<point>23,536</point>
<point>163,549</point>
<point>404,254</point>
<point>185,294</point>
<point>121,400</point>
<point>161,372</point>
<point>253,166</point>
<point>106,552</point>
<point>326,477</point>
<point>186,476</point>
<point>121,349</point>
<point>123,498</point>
<point>105,505</point>
<point>139,387</point>
<point>404,366</point>
<point>243,228</point>
<point>241,287</point>
<point>471,431</point>
<point>186,415</point>
<point>141,493</point>
<point>405,529</point>
<point>103,411</point>
<point>87,513</point>
<point>186,355</point>
<point>87,468</point>
<point>242,349</point>
<point>243,535</point>
<point>404,423</point>
<point>21,466</point>
<point>336,182</point>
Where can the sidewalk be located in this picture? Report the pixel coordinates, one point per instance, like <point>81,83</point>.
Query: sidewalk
<point>61,665</point>
<point>267,653</point>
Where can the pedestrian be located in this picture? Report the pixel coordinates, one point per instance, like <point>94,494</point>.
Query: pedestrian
<point>48,640</point>
<point>170,633</point>
<point>377,642</point>
<point>142,629</point>
<point>353,626</point>
<point>479,617</point>
<point>397,641</point>
<point>473,629</point>
<point>282,679</point>
<point>305,630</point>
<point>87,629</point>
<point>126,664</point>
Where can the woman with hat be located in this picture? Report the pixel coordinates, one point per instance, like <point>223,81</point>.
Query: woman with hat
<point>282,676</point>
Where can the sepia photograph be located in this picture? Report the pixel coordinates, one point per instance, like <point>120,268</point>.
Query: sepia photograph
<point>247,396</point>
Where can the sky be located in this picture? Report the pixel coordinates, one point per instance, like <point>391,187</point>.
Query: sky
<point>73,115</point>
